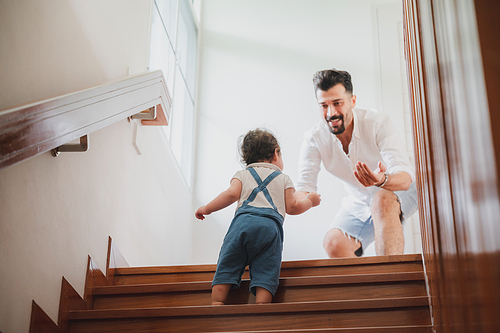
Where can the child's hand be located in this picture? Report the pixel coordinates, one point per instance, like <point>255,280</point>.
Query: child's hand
<point>315,198</point>
<point>201,212</point>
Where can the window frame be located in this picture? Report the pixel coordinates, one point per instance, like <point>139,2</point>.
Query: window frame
<point>180,133</point>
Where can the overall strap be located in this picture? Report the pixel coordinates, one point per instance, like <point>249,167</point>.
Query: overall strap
<point>261,187</point>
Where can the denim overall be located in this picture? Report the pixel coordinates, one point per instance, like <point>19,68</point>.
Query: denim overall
<point>254,238</point>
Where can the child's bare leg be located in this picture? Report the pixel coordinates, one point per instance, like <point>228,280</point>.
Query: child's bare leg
<point>262,296</point>
<point>219,293</point>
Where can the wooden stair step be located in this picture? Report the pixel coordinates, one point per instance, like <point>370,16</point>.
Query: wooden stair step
<point>388,329</point>
<point>291,289</point>
<point>320,267</point>
<point>404,311</point>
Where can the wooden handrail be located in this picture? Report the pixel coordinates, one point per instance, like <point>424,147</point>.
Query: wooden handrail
<point>35,128</point>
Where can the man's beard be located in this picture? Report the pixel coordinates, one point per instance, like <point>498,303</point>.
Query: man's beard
<point>337,129</point>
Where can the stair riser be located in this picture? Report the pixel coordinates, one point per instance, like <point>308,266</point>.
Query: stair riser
<point>284,294</point>
<point>393,267</point>
<point>231,323</point>
<point>380,268</point>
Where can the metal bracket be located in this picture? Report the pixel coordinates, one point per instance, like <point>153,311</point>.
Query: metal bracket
<point>146,114</point>
<point>160,119</point>
<point>73,147</point>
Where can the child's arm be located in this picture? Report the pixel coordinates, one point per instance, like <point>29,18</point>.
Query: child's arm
<point>295,207</point>
<point>222,200</point>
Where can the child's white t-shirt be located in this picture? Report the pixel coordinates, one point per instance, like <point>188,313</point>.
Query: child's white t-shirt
<point>276,187</point>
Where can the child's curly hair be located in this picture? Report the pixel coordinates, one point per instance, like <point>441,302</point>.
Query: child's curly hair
<point>258,145</point>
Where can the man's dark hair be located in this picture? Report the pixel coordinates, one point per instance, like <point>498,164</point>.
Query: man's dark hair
<point>258,145</point>
<point>326,79</point>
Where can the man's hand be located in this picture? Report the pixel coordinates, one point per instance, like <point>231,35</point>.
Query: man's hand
<point>367,177</point>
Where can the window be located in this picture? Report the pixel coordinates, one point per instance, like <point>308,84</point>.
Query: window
<point>174,47</point>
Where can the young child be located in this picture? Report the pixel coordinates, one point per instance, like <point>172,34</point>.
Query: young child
<point>255,236</point>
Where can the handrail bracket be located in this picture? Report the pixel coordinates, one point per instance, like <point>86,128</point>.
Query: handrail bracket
<point>83,146</point>
<point>146,114</point>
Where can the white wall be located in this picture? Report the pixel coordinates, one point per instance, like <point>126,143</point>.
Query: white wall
<point>56,211</point>
<point>256,67</point>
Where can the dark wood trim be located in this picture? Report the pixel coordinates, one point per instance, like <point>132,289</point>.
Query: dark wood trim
<point>33,129</point>
<point>114,260</point>
<point>110,272</point>
<point>70,301</point>
<point>381,299</point>
<point>384,329</point>
<point>417,257</point>
<point>284,265</point>
<point>284,282</point>
<point>147,275</point>
<point>94,278</point>
<point>333,321</point>
<point>452,80</point>
<point>89,285</point>
<point>40,322</point>
<point>208,310</point>
<point>488,26</point>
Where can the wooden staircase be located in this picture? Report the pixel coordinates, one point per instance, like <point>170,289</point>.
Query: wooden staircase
<point>371,294</point>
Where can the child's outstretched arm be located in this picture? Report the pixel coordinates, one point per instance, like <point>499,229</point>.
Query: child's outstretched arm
<point>295,206</point>
<point>221,201</point>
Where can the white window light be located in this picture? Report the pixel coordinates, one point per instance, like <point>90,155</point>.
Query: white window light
<point>173,49</point>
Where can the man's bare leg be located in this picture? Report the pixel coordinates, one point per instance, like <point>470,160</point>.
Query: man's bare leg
<point>339,245</point>
<point>219,293</point>
<point>388,229</point>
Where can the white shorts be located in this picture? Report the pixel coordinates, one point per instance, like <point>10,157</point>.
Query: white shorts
<point>363,230</point>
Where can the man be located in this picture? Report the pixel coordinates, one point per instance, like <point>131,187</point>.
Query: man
<point>364,149</point>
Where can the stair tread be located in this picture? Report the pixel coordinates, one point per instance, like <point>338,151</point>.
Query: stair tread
<point>209,310</point>
<point>380,329</point>
<point>354,295</point>
<point>284,282</point>
<point>285,264</point>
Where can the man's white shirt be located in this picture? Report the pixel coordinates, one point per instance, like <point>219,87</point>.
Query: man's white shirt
<point>375,138</point>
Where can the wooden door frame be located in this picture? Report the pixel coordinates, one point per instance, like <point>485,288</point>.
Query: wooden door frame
<point>452,60</point>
